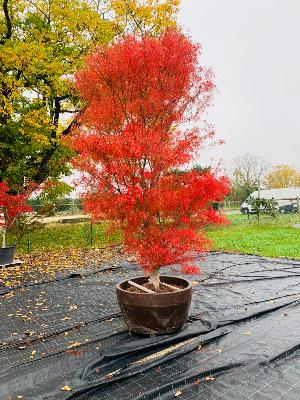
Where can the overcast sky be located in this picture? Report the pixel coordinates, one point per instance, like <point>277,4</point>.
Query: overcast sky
<point>254,50</point>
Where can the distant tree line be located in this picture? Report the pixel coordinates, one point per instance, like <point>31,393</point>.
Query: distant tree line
<point>249,172</point>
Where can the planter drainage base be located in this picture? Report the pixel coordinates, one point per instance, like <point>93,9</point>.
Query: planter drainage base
<point>13,264</point>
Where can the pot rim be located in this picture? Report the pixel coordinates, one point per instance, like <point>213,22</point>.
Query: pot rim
<point>118,286</point>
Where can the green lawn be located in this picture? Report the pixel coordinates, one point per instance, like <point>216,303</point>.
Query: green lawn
<point>271,237</point>
<point>60,236</point>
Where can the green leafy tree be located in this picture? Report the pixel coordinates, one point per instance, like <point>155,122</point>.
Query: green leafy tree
<point>263,206</point>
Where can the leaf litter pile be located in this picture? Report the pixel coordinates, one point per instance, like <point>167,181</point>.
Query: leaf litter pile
<point>41,266</point>
<point>62,335</point>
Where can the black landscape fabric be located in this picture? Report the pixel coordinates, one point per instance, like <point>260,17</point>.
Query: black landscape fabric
<point>65,339</point>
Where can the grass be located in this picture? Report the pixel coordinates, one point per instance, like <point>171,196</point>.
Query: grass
<point>271,237</point>
<point>67,236</point>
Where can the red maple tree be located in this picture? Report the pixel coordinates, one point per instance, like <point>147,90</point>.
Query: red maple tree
<point>141,96</point>
<point>11,206</point>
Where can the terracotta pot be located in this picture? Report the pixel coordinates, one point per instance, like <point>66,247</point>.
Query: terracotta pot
<point>7,255</point>
<point>158,313</point>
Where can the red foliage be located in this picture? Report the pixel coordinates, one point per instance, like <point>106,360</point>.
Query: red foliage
<point>11,206</point>
<point>139,92</point>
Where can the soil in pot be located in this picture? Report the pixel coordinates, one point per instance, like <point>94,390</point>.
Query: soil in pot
<point>161,289</point>
<point>155,313</point>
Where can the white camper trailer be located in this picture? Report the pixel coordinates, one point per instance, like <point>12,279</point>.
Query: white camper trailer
<point>285,199</point>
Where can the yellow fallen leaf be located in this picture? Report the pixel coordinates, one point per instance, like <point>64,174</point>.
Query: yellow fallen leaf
<point>33,353</point>
<point>66,388</point>
<point>19,397</point>
<point>209,378</point>
<point>247,333</point>
<point>74,344</point>
<point>178,393</point>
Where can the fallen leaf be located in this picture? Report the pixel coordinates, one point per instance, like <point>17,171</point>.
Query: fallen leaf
<point>249,333</point>
<point>30,333</point>
<point>66,388</point>
<point>19,397</point>
<point>74,352</point>
<point>178,393</point>
<point>74,344</point>
<point>209,378</point>
<point>33,353</point>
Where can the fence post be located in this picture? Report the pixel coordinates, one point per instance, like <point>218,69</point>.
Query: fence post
<point>91,233</point>
<point>298,204</point>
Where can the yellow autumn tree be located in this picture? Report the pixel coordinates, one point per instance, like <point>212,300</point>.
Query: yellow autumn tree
<point>282,176</point>
<point>42,44</point>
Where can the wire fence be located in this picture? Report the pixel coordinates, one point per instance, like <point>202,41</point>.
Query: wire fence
<point>76,230</point>
<point>73,234</point>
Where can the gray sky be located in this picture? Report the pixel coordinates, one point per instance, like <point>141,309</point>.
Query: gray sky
<point>254,50</point>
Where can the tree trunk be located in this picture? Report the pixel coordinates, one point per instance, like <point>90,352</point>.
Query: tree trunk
<point>3,237</point>
<point>154,278</point>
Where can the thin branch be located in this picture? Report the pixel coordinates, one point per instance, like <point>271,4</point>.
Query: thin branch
<point>73,124</point>
<point>40,10</point>
<point>133,16</point>
<point>69,111</point>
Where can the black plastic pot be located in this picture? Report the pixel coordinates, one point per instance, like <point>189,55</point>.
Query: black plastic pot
<point>157,313</point>
<point>7,255</point>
